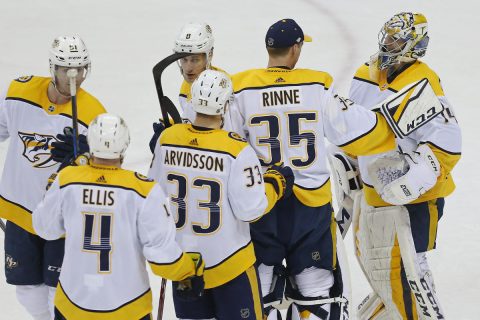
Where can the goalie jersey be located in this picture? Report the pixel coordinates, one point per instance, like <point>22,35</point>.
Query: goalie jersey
<point>32,122</point>
<point>286,115</point>
<point>442,134</point>
<point>113,220</point>
<point>216,188</point>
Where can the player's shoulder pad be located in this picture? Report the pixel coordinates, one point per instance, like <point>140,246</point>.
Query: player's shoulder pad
<point>363,72</point>
<point>25,87</point>
<point>236,136</point>
<point>88,107</point>
<point>313,76</point>
<point>142,177</point>
<point>220,69</point>
<point>245,79</point>
<point>422,70</point>
<point>24,79</point>
<point>173,132</point>
<point>183,134</point>
<point>185,89</point>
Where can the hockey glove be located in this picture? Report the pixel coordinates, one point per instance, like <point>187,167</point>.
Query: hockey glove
<point>281,178</point>
<point>192,288</point>
<point>401,182</point>
<point>62,151</point>
<point>158,128</point>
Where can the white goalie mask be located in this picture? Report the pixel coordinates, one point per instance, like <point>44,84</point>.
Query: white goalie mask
<point>69,51</point>
<point>195,38</point>
<point>108,137</point>
<point>211,92</point>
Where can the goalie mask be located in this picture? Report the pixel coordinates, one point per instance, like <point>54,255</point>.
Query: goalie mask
<point>108,137</point>
<point>211,93</point>
<point>403,38</point>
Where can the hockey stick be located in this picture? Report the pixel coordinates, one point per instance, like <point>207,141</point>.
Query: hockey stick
<point>2,225</point>
<point>167,107</point>
<point>72,76</point>
<point>161,299</point>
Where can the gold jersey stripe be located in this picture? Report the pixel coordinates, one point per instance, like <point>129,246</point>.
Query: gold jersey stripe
<point>253,280</point>
<point>230,268</point>
<point>177,270</point>
<point>379,139</point>
<point>217,140</point>
<point>274,77</point>
<point>106,176</point>
<point>134,309</point>
<point>17,214</point>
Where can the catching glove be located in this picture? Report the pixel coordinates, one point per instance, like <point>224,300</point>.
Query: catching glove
<point>404,179</point>
<point>192,288</point>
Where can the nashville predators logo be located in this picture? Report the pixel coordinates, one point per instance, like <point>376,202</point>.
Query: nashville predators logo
<point>36,148</point>
<point>10,263</point>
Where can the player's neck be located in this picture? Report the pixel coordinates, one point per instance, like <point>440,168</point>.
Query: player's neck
<point>280,62</point>
<point>206,121</point>
<point>107,162</point>
<point>56,97</point>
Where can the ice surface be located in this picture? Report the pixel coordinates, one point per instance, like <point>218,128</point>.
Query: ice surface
<point>126,38</point>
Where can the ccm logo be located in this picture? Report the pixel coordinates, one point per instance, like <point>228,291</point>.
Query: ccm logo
<point>432,162</point>
<point>405,190</point>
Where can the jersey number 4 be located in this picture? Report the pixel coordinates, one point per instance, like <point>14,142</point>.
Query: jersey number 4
<point>296,138</point>
<point>97,238</point>
<point>212,205</point>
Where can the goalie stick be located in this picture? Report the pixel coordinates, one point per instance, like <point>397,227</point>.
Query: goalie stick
<point>167,107</point>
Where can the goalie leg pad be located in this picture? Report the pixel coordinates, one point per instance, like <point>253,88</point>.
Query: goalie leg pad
<point>379,255</point>
<point>387,254</point>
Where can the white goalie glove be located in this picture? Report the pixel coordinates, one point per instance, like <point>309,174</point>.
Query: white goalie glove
<point>400,178</point>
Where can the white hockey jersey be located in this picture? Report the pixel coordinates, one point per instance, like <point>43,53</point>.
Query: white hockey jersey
<point>32,122</point>
<point>216,188</point>
<point>286,115</point>
<point>113,220</point>
<point>442,134</point>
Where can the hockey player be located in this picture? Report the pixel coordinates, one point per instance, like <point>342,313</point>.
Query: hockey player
<point>216,186</point>
<point>196,38</point>
<point>422,163</point>
<point>286,113</point>
<point>33,112</point>
<point>114,219</point>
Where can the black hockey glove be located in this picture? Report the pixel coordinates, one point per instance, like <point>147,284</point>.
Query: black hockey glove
<point>62,151</point>
<point>192,288</point>
<point>158,128</point>
<point>282,179</point>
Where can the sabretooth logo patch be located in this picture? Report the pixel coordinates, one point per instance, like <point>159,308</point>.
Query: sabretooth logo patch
<point>36,149</point>
<point>195,161</point>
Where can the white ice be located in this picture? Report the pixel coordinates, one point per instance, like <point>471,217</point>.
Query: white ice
<point>126,38</point>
